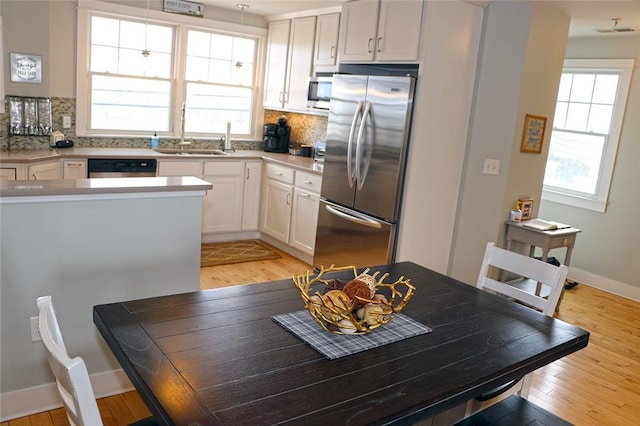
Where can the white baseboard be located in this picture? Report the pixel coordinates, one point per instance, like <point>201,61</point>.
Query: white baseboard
<point>41,398</point>
<point>605,284</point>
<point>305,257</point>
<point>219,237</point>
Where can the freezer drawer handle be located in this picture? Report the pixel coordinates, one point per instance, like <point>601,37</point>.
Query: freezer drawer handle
<point>360,220</point>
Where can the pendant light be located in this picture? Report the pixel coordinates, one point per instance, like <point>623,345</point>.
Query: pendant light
<point>242,7</point>
<point>145,51</point>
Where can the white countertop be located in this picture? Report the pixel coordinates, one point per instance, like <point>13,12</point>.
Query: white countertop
<point>70,187</point>
<point>31,156</point>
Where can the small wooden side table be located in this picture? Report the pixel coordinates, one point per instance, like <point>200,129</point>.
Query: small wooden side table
<point>546,240</point>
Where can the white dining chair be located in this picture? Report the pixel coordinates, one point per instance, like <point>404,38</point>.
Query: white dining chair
<point>524,267</point>
<point>72,377</point>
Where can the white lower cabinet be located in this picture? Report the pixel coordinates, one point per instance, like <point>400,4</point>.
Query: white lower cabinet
<point>276,211</point>
<point>45,171</point>
<point>74,169</point>
<point>8,173</point>
<point>223,204</point>
<point>290,206</point>
<point>223,207</point>
<point>251,195</point>
<point>179,168</point>
<point>304,219</point>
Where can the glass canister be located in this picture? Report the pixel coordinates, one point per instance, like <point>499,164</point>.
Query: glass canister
<point>45,125</point>
<point>30,116</point>
<point>16,107</point>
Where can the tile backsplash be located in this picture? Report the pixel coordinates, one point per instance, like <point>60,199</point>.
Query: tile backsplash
<point>305,129</point>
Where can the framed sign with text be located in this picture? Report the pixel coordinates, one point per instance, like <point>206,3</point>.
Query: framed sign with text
<point>26,68</point>
<point>533,133</point>
<point>184,7</point>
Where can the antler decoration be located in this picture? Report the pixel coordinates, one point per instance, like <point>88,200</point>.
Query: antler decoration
<point>338,313</point>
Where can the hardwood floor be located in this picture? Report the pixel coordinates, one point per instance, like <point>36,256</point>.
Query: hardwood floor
<point>599,385</point>
<point>116,410</point>
<point>252,272</point>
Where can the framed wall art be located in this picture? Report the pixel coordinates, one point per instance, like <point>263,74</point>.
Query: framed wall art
<point>533,133</point>
<point>26,68</point>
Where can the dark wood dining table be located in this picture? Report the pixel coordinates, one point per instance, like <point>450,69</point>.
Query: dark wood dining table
<point>216,357</point>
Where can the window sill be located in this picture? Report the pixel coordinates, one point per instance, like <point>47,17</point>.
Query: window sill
<point>574,201</point>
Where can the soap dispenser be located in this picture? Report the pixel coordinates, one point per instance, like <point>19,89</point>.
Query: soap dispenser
<point>155,141</point>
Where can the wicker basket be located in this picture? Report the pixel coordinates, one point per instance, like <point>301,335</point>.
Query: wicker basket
<point>343,312</point>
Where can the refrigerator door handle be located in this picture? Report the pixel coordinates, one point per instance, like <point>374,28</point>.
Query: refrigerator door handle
<point>356,219</point>
<point>359,144</point>
<point>350,143</point>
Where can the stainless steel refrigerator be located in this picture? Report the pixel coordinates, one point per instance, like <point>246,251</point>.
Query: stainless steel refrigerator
<point>367,137</point>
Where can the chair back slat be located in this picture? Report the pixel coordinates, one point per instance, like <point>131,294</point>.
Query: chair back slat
<point>526,267</point>
<point>72,377</point>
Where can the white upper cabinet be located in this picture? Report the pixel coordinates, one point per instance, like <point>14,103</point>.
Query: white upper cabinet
<point>327,29</point>
<point>276,64</point>
<point>383,30</point>
<point>289,62</point>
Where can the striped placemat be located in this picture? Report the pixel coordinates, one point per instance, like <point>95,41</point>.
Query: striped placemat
<point>334,346</point>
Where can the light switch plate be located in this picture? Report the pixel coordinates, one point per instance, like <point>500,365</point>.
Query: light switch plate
<point>491,166</point>
<point>66,122</point>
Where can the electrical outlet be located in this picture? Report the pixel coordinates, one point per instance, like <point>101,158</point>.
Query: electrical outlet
<point>491,167</point>
<point>35,330</point>
<point>66,122</point>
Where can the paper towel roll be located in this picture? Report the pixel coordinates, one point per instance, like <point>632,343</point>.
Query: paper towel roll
<point>227,136</point>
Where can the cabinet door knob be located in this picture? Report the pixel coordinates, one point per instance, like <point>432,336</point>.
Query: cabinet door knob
<point>379,45</point>
<point>289,199</point>
<point>369,45</point>
<point>332,52</point>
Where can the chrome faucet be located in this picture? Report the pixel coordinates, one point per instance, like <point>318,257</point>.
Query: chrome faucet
<point>183,143</point>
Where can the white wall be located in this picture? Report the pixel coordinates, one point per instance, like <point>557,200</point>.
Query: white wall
<point>439,132</point>
<point>608,248</point>
<point>85,253</point>
<point>51,33</point>
<point>519,70</point>
<point>26,32</point>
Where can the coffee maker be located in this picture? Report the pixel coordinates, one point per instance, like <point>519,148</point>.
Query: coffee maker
<point>276,136</point>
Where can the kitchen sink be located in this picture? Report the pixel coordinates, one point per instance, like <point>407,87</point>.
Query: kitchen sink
<point>192,151</point>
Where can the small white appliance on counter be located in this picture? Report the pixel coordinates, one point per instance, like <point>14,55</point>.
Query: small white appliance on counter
<point>319,149</point>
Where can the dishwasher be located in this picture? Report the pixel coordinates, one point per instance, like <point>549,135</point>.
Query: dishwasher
<point>116,167</point>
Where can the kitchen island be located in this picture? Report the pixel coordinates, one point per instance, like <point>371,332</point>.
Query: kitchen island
<point>84,242</point>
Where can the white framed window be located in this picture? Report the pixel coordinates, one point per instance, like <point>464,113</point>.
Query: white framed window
<point>219,76</point>
<point>128,90</point>
<point>137,68</point>
<point>586,129</point>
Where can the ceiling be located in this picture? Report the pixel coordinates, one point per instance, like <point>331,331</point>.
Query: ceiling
<point>587,16</point>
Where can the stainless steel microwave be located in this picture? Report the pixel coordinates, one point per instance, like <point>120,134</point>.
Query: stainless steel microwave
<point>319,93</point>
